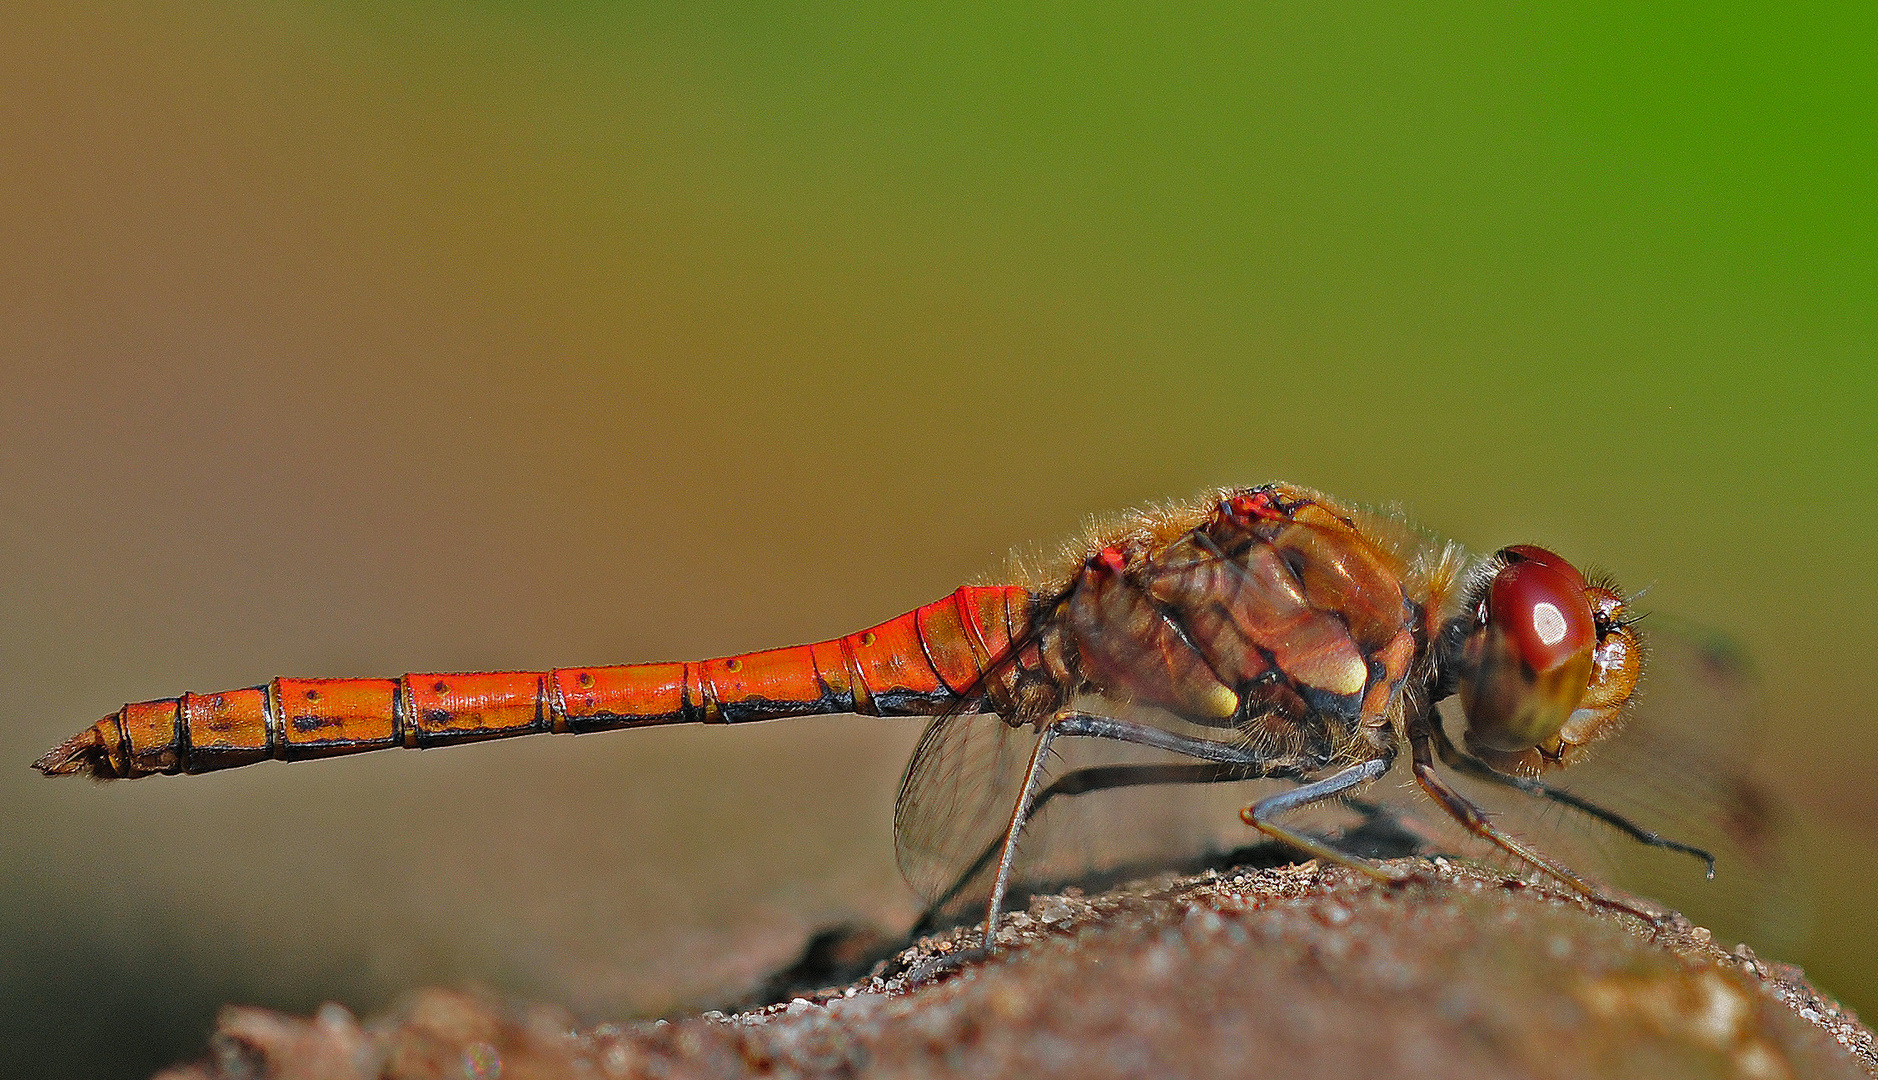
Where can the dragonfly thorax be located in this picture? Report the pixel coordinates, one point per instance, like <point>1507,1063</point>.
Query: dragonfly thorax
<point>1274,614</point>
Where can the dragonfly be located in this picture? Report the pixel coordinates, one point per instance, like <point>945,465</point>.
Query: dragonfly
<point>1266,634</point>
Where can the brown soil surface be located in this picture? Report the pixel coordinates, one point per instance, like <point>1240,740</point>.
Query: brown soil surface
<point>1295,971</point>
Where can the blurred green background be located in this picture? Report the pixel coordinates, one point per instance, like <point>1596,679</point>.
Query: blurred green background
<point>348,338</point>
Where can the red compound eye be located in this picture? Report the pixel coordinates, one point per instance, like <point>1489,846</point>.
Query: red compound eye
<point>1526,665</point>
<point>1520,553</point>
<point>1543,611</point>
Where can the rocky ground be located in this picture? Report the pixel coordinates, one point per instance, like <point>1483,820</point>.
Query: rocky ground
<point>1292,971</point>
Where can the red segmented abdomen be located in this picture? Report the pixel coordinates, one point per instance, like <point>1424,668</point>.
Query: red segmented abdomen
<point>918,664</point>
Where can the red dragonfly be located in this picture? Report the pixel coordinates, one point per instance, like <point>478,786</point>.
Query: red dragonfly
<point>1262,633</point>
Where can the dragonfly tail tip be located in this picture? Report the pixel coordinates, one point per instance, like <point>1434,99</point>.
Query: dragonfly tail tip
<point>84,754</point>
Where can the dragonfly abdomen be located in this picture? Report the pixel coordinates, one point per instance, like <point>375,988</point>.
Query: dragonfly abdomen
<point>920,663</point>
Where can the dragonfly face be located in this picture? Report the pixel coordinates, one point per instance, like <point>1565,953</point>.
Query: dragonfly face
<point>1546,663</point>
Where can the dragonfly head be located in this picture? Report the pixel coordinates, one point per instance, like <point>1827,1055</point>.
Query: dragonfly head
<point>1547,663</point>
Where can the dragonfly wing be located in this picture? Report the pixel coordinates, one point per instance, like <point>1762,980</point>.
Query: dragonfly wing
<point>956,798</point>
<point>963,781</point>
<point>1682,767</point>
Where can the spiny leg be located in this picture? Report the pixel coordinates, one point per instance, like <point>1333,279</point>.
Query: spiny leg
<point>1260,814</point>
<point>1082,782</point>
<point>1475,820</point>
<point>1101,727</point>
<point>1466,764</point>
<point>1020,813</point>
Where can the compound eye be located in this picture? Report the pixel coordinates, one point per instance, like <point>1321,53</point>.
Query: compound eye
<point>1522,553</point>
<point>1545,614</point>
<point>1528,661</point>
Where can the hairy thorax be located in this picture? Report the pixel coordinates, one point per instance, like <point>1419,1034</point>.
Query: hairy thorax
<point>1297,622</point>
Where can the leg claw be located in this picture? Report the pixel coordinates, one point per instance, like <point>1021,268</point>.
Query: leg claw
<point>935,968</point>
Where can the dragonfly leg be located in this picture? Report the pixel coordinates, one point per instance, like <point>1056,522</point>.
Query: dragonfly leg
<point>1475,821</point>
<point>1260,814</point>
<point>1020,813</point>
<point>1468,765</point>
<point>1107,727</point>
<point>1082,782</point>
<point>1101,727</point>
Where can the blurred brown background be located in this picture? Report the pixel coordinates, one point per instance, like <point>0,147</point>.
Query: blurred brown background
<point>361,339</point>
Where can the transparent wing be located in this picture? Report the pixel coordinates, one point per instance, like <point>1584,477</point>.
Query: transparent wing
<point>1107,810</point>
<point>956,799</point>
<point>1682,767</point>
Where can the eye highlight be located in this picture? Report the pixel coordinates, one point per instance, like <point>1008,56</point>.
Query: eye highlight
<point>1549,623</point>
